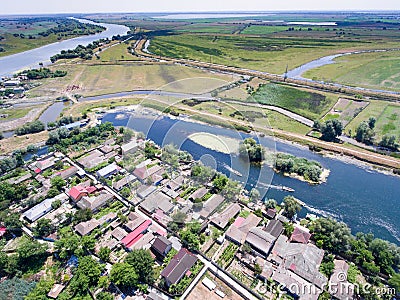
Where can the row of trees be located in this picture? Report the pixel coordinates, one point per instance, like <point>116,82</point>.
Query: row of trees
<point>84,52</point>
<point>43,73</point>
<point>31,127</point>
<point>373,255</point>
<point>365,134</point>
<point>330,130</point>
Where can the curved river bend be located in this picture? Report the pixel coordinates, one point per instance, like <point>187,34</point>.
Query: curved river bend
<point>31,58</point>
<point>366,200</point>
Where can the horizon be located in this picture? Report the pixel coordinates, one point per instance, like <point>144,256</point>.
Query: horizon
<point>205,12</point>
<point>40,7</point>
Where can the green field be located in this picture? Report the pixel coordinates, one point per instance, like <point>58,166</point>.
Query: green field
<point>271,54</point>
<point>308,104</point>
<point>387,119</point>
<point>263,117</point>
<point>15,113</point>
<point>379,70</point>
<point>209,28</point>
<point>105,78</point>
<point>117,53</point>
<point>263,29</point>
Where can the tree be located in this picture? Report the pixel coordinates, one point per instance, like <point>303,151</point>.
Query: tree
<point>104,296</point>
<point>270,203</point>
<point>89,242</point>
<point>231,190</point>
<point>202,174</point>
<point>327,265</point>
<point>190,235</point>
<point>124,274</point>
<point>394,281</point>
<point>142,262</point>
<point>104,253</point>
<point>56,204</point>
<point>389,141</point>
<point>57,182</point>
<point>364,134</point>
<point>331,235</point>
<point>30,251</point>
<point>86,275</point>
<point>257,269</point>
<point>254,195</point>
<point>291,206</point>
<point>68,244</point>
<point>220,182</point>
<point>371,122</point>
<point>250,150</point>
<point>331,129</point>
<point>43,227</point>
<point>82,215</point>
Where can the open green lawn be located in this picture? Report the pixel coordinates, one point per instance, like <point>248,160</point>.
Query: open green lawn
<point>387,118</point>
<point>117,53</point>
<point>308,104</point>
<point>15,113</point>
<point>261,117</point>
<point>271,54</point>
<point>102,79</point>
<point>379,70</point>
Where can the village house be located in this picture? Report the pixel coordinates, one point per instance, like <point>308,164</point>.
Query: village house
<point>179,266</point>
<point>120,184</point>
<point>157,201</point>
<point>131,147</point>
<point>238,231</point>
<point>92,159</point>
<point>133,237</point>
<point>342,289</point>
<point>301,259</point>
<point>95,202</point>
<point>211,205</point>
<point>161,246</point>
<point>77,192</point>
<point>107,171</point>
<point>221,220</point>
<point>43,208</point>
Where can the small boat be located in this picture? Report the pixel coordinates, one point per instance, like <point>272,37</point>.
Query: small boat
<point>278,187</point>
<point>237,173</point>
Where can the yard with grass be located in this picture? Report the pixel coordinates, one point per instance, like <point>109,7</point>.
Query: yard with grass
<point>345,110</point>
<point>387,116</point>
<point>378,70</point>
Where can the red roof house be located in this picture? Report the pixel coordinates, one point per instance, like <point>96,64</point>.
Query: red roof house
<point>136,234</point>
<point>77,192</point>
<point>300,236</point>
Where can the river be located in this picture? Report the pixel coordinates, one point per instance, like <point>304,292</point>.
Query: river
<point>31,58</point>
<point>365,199</point>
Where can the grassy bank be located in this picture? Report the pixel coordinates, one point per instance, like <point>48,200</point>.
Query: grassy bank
<point>371,70</point>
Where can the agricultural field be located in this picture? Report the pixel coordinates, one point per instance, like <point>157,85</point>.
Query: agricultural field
<point>209,28</point>
<point>271,54</point>
<point>378,70</point>
<point>387,119</point>
<point>345,110</point>
<point>90,80</point>
<point>306,103</point>
<point>263,29</point>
